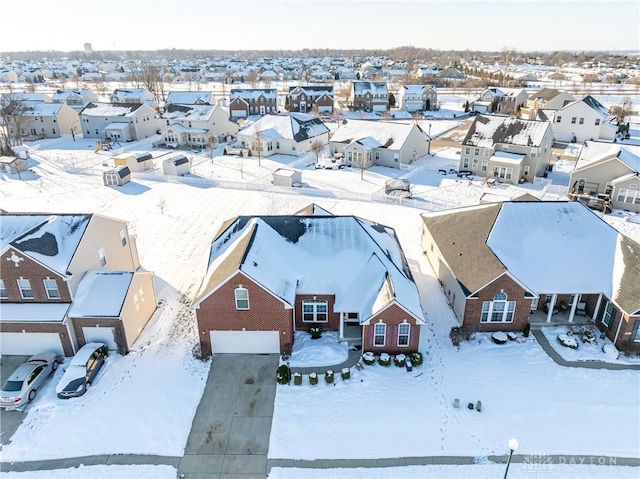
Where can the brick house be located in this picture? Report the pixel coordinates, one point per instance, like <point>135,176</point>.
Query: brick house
<point>504,265</point>
<point>369,96</point>
<point>48,261</point>
<point>306,98</point>
<point>250,101</point>
<point>269,276</point>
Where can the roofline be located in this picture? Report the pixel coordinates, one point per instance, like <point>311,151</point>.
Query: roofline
<point>397,303</point>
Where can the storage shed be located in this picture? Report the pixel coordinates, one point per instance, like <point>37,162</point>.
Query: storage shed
<point>117,176</point>
<point>287,177</point>
<point>135,161</point>
<point>178,165</point>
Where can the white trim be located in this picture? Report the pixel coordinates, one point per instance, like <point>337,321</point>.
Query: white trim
<point>315,303</point>
<point>384,336</point>
<point>44,281</point>
<point>236,299</point>
<point>408,335</point>
<point>20,288</point>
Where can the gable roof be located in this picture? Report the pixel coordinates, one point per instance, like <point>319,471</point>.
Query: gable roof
<point>292,126</point>
<point>313,210</point>
<point>249,93</point>
<point>597,151</point>
<point>193,112</point>
<point>293,254</point>
<point>40,108</point>
<point>545,94</point>
<point>387,134</point>
<point>591,103</point>
<point>130,93</point>
<point>110,109</point>
<point>313,90</point>
<point>49,239</point>
<point>375,88</point>
<point>189,97</point>
<point>486,131</point>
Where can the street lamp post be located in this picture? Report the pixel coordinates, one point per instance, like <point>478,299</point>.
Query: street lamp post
<point>513,445</point>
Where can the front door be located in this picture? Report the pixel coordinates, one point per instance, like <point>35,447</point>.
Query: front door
<point>263,110</point>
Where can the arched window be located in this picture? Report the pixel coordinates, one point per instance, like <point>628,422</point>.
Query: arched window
<point>499,310</point>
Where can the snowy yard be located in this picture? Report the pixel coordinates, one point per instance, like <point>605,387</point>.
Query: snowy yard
<point>381,412</point>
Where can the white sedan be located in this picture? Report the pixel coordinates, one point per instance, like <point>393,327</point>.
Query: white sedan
<point>25,381</point>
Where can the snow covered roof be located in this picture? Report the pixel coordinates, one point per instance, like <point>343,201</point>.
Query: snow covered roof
<point>34,312</point>
<point>40,108</point>
<point>312,90</point>
<point>62,95</point>
<point>293,254</point>
<point>184,129</point>
<point>417,89</point>
<point>50,239</point>
<point>313,210</point>
<point>292,126</point>
<point>101,294</point>
<point>110,109</point>
<point>486,131</point>
<point>594,151</point>
<point>129,93</point>
<point>375,88</point>
<point>389,134</point>
<point>192,112</point>
<point>190,97</point>
<point>249,93</point>
<point>506,157</point>
<point>581,252</point>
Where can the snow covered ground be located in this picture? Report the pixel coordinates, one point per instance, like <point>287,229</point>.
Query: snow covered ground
<point>98,472</point>
<point>524,394</point>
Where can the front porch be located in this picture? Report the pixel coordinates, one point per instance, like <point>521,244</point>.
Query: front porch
<point>539,319</point>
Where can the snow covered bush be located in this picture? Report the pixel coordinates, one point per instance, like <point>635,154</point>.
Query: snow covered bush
<point>610,350</point>
<point>568,341</point>
<point>345,373</point>
<point>283,374</point>
<point>499,337</point>
<point>458,334</point>
<point>328,377</point>
<point>399,360</point>
<point>416,358</point>
<point>512,336</point>
<point>316,332</point>
<point>313,379</point>
<point>384,360</point>
<point>297,379</point>
<point>368,358</point>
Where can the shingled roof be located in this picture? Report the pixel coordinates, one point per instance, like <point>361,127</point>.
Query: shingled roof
<point>486,131</point>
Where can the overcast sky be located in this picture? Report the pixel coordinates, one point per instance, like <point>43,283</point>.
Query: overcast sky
<point>296,24</point>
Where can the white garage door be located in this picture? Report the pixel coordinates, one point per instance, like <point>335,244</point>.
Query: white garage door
<point>101,335</point>
<point>30,343</point>
<point>245,342</point>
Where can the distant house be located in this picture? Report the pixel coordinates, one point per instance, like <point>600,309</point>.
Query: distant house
<point>369,96</point>
<point>121,121</point>
<point>250,101</point>
<point>118,176</point>
<point>506,148</point>
<point>306,98</point>
<point>365,143</point>
<point>269,276</point>
<point>134,95</point>
<point>488,260</point>
<point>506,101</point>
<point>547,99</point>
<point>23,96</point>
<point>285,134</point>
<point>583,120</point>
<point>195,124</point>
<point>609,168</point>
<point>190,98</point>
<point>413,98</point>
<point>450,74</point>
<point>44,120</point>
<point>178,165</point>
<point>76,99</point>
<point>48,262</point>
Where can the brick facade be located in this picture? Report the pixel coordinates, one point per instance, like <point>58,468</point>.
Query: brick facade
<point>333,323</point>
<point>515,292</point>
<point>265,313</point>
<point>33,327</point>
<point>36,273</point>
<point>392,317</point>
<point>78,323</point>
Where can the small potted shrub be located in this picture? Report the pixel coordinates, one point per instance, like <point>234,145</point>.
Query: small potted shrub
<point>283,374</point>
<point>384,360</point>
<point>313,379</point>
<point>345,374</point>
<point>499,337</point>
<point>368,358</point>
<point>328,377</point>
<point>297,379</point>
<point>399,360</point>
<point>416,358</point>
<point>316,332</point>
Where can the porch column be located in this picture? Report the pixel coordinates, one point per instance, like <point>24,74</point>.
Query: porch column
<point>341,328</point>
<point>595,312</point>
<point>576,298</point>
<point>552,304</point>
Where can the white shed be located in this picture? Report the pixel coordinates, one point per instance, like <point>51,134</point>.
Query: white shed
<point>117,176</point>
<point>136,162</point>
<point>287,177</point>
<point>178,165</point>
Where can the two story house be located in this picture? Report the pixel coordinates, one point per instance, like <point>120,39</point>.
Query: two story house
<point>369,96</point>
<point>134,95</point>
<point>609,168</point>
<point>76,99</point>
<point>364,143</point>
<point>69,279</point>
<point>488,260</point>
<point>506,101</point>
<point>413,98</point>
<point>270,276</point>
<point>547,99</point>
<point>583,120</point>
<point>119,121</point>
<point>250,101</point>
<point>195,124</point>
<point>191,97</point>
<point>45,120</point>
<point>306,98</point>
<point>507,149</point>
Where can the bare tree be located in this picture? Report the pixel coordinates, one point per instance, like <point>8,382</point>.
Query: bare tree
<point>162,203</point>
<point>362,164</point>
<point>257,147</point>
<point>316,147</point>
<point>622,111</point>
<point>148,75</point>
<point>211,146</point>
<point>252,77</point>
<point>14,119</point>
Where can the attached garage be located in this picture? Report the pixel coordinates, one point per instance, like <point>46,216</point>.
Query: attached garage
<point>101,335</point>
<point>245,342</point>
<point>30,343</point>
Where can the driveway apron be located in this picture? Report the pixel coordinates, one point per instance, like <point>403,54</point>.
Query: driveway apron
<point>230,432</point>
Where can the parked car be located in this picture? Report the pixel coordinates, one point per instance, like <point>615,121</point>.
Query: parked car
<point>24,382</point>
<point>82,370</point>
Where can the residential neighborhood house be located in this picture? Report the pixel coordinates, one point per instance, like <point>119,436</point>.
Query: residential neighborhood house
<point>249,101</point>
<point>134,95</point>
<point>195,125</point>
<point>583,120</point>
<point>548,100</point>
<point>76,99</point>
<point>413,98</point>
<point>369,96</point>
<point>119,121</point>
<point>306,98</point>
<point>506,101</point>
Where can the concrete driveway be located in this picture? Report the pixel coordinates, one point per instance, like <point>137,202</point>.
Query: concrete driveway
<point>9,420</point>
<point>230,431</point>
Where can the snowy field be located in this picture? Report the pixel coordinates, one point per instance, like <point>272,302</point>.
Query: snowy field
<point>98,472</point>
<point>524,394</point>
